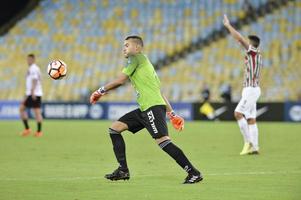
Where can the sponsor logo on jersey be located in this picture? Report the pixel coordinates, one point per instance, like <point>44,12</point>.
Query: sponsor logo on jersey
<point>151,119</point>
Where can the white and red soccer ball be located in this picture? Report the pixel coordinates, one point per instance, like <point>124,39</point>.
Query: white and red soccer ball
<point>57,69</point>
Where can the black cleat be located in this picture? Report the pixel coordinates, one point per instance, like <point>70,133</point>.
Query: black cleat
<point>193,178</point>
<point>119,174</point>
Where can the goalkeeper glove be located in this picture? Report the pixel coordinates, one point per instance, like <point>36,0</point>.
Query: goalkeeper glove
<point>176,121</point>
<point>97,95</point>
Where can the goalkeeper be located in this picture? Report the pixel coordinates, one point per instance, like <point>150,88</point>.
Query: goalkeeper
<point>151,114</point>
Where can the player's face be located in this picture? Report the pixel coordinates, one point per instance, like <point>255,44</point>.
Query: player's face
<point>30,60</point>
<point>251,42</point>
<point>129,48</point>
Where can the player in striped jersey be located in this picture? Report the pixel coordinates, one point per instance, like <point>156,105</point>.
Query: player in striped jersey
<point>245,112</point>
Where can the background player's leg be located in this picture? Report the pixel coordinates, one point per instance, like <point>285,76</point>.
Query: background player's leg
<point>39,119</point>
<point>243,126</point>
<point>118,142</point>
<point>24,117</point>
<point>253,129</point>
<point>177,154</point>
<point>244,129</point>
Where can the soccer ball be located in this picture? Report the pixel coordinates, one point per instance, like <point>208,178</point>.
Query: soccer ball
<point>57,69</point>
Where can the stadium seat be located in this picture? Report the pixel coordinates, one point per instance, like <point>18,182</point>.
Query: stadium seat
<point>88,36</point>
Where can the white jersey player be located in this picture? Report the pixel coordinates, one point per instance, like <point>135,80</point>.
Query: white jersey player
<point>245,112</point>
<point>33,97</point>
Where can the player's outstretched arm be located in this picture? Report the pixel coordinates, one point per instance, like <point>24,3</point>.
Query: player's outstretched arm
<point>176,121</point>
<point>168,106</point>
<point>235,33</point>
<point>122,79</point>
<point>110,86</point>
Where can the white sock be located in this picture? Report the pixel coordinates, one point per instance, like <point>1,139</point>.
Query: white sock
<point>254,135</point>
<point>244,129</point>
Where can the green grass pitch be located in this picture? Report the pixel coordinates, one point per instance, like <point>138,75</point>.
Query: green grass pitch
<point>69,161</point>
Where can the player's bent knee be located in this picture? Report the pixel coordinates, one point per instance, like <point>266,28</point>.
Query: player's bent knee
<point>162,139</point>
<point>238,115</point>
<point>251,121</point>
<point>119,126</point>
<point>22,108</point>
<point>38,114</point>
<point>39,118</point>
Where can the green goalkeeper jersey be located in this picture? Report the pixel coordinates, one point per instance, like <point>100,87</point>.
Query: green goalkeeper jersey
<point>145,80</point>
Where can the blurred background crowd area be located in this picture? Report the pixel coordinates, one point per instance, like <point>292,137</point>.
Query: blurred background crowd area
<point>184,39</point>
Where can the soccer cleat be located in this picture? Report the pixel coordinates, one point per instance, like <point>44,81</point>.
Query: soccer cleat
<point>118,174</point>
<point>246,149</point>
<point>254,152</point>
<point>26,132</point>
<point>193,178</point>
<point>38,134</point>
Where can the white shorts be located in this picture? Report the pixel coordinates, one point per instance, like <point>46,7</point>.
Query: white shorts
<point>247,103</point>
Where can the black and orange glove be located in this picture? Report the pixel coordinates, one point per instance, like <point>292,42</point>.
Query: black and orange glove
<point>176,121</point>
<point>95,96</point>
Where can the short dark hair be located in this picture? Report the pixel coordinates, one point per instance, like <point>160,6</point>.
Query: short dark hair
<point>31,55</point>
<point>255,40</point>
<point>136,38</point>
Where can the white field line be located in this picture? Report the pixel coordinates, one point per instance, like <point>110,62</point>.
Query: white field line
<point>254,173</point>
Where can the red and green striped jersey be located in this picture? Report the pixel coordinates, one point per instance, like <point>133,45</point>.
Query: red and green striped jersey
<point>253,65</point>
